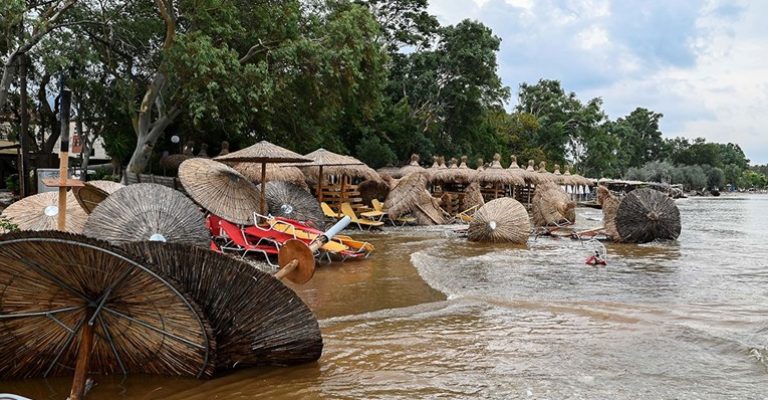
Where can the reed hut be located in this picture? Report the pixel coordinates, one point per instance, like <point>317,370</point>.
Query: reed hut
<point>274,172</point>
<point>609,204</point>
<point>411,196</point>
<point>500,220</point>
<point>552,206</point>
<point>413,166</point>
<point>40,212</point>
<point>287,200</point>
<point>148,211</point>
<point>495,180</point>
<point>645,215</point>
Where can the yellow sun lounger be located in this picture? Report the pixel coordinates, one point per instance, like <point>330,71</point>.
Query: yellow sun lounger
<point>328,211</point>
<point>377,206</point>
<point>330,246</point>
<point>347,210</point>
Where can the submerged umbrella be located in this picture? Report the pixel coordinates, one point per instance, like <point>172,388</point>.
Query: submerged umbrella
<point>70,302</point>
<point>500,220</point>
<point>40,212</point>
<point>645,215</point>
<point>264,152</point>
<point>94,192</point>
<point>220,189</point>
<point>256,319</point>
<point>291,201</point>
<point>148,211</point>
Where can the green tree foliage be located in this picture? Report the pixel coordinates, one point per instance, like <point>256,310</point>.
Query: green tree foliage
<point>639,137</point>
<point>715,178</point>
<point>376,153</point>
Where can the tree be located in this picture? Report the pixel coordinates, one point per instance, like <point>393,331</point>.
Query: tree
<point>639,137</point>
<point>375,153</point>
<point>404,23</point>
<point>715,178</point>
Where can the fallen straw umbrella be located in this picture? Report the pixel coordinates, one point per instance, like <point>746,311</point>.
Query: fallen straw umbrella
<point>291,201</point>
<point>40,212</point>
<point>75,303</point>
<point>500,220</point>
<point>148,211</point>
<point>645,215</point>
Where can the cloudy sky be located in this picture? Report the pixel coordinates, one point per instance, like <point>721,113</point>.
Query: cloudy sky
<point>703,64</point>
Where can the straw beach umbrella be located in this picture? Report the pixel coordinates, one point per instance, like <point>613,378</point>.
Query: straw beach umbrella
<point>472,197</point>
<point>529,177</point>
<point>147,211</point>
<point>263,152</point>
<point>645,215</point>
<point>220,189</point>
<point>94,192</point>
<point>552,206</point>
<point>327,163</point>
<point>40,213</point>
<point>275,172</point>
<point>500,220</point>
<point>464,174</point>
<point>70,302</point>
<point>292,201</point>
<point>497,176</point>
<point>256,319</point>
<point>410,196</point>
<point>609,204</point>
<point>412,167</point>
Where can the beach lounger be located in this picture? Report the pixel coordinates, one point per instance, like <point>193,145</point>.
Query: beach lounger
<point>335,246</point>
<point>347,210</point>
<point>328,211</point>
<point>238,242</point>
<point>466,215</point>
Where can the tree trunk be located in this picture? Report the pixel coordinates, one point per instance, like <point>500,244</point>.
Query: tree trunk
<point>9,72</point>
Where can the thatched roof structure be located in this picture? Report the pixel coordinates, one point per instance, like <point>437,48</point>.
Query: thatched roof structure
<point>454,173</point>
<point>552,206</point>
<point>263,152</point>
<point>40,212</point>
<point>274,172</point>
<point>480,165</point>
<point>370,190</point>
<point>496,174</point>
<point>645,215</point>
<point>500,220</point>
<point>173,161</point>
<point>577,179</point>
<point>610,205</point>
<point>413,166</point>
<point>390,171</point>
<point>410,196</point>
<point>472,197</point>
<point>224,149</point>
<point>203,153</point>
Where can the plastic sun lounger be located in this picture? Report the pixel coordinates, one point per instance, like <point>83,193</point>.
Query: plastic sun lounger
<point>377,206</point>
<point>347,210</point>
<point>309,234</point>
<point>353,244</point>
<point>238,239</point>
<point>328,211</point>
<point>212,223</point>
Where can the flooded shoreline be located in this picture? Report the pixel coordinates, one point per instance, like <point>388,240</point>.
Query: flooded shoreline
<point>431,315</point>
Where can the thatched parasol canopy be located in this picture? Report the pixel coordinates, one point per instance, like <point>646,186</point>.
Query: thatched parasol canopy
<point>370,190</point>
<point>448,175</point>
<point>530,177</point>
<point>94,192</point>
<point>609,204</point>
<point>224,149</point>
<point>480,164</point>
<point>645,215</point>
<point>256,319</point>
<point>274,172</point>
<point>329,163</point>
<point>220,189</point>
<point>60,290</point>
<point>496,174</point>
<point>412,167</point>
<point>40,213</point>
<point>410,196</point>
<point>292,201</point>
<point>392,172</point>
<point>500,220</point>
<point>552,206</point>
<point>263,152</point>
<point>147,211</point>
<point>577,179</point>
<point>173,161</point>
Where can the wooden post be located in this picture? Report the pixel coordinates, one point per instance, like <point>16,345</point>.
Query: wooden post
<point>24,128</point>
<point>320,185</point>
<point>83,360</point>
<point>66,96</point>
<point>263,188</point>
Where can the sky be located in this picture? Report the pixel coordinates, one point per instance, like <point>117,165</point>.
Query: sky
<point>703,64</point>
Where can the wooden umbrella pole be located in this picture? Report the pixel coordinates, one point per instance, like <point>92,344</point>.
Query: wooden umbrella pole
<point>320,185</point>
<point>66,95</point>
<point>83,360</point>
<point>263,187</point>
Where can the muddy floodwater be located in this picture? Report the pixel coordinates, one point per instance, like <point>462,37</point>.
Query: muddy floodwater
<point>433,316</point>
